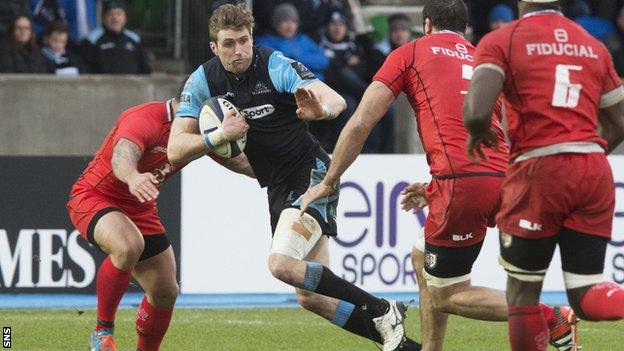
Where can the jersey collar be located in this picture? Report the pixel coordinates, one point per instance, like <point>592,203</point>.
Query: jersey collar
<point>446,31</point>
<point>543,12</point>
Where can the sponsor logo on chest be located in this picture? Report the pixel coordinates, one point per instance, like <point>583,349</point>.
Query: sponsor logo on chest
<point>257,112</point>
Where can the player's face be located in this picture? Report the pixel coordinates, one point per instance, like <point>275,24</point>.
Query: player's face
<point>57,41</point>
<point>115,20</point>
<point>235,49</point>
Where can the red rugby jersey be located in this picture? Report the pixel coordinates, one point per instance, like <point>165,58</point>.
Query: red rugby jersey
<point>434,72</point>
<point>147,125</point>
<point>556,77</point>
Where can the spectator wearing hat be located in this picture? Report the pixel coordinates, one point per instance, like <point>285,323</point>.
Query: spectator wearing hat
<point>353,62</point>
<point>112,48</point>
<point>19,52</point>
<point>59,60</point>
<point>500,15</point>
<point>300,47</point>
<point>400,26</point>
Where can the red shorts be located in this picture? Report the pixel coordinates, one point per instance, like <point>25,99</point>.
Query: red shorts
<point>461,209</point>
<point>86,208</point>
<point>543,194</point>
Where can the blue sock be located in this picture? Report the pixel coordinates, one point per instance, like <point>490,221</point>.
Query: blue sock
<point>313,274</point>
<point>343,313</point>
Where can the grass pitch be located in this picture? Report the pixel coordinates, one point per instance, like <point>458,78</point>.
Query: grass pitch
<point>261,329</point>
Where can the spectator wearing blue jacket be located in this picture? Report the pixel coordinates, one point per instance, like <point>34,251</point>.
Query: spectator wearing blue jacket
<point>300,47</point>
<point>80,15</point>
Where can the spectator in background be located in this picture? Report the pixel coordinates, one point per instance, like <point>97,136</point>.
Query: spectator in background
<point>58,59</point>
<point>299,47</point>
<point>113,49</point>
<point>9,10</point>
<point>81,17</point>
<point>316,12</point>
<point>500,15</point>
<point>351,68</point>
<point>615,42</point>
<point>581,13</point>
<point>400,26</point>
<point>19,52</point>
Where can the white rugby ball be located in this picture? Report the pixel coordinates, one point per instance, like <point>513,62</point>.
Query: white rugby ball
<point>210,117</point>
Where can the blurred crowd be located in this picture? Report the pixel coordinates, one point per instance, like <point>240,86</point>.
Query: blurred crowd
<point>62,37</point>
<point>66,37</point>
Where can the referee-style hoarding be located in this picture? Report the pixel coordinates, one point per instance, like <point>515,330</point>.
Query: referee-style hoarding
<point>226,233</point>
<point>40,250</point>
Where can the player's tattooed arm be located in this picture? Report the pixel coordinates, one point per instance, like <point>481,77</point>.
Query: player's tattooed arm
<point>126,156</point>
<point>611,127</point>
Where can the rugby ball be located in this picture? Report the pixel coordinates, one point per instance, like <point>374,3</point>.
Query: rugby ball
<point>210,117</point>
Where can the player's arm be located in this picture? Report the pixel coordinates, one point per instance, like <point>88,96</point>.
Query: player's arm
<point>317,101</point>
<point>375,103</point>
<point>485,87</point>
<point>126,156</point>
<point>612,125</point>
<point>186,144</point>
<point>240,164</point>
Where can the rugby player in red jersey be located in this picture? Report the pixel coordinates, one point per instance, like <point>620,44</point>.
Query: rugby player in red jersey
<point>113,206</point>
<point>463,197</point>
<point>565,103</point>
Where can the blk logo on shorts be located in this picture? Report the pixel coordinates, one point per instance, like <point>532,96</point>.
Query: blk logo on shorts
<point>525,224</point>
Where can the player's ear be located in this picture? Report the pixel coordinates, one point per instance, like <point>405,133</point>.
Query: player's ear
<point>213,47</point>
<point>428,27</point>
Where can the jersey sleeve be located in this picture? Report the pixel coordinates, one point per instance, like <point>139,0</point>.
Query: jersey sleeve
<point>612,91</point>
<point>392,72</point>
<point>287,74</point>
<point>139,127</point>
<point>490,52</point>
<point>195,92</point>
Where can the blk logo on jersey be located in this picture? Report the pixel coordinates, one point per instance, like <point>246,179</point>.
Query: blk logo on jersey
<point>258,111</point>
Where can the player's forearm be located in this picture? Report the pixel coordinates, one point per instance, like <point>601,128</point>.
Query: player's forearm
<point>484,89</point>
<point>186,147</point>
<point>240,164</point>
<point>126,156</point>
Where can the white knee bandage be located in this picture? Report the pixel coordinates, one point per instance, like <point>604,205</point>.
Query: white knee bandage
<point>522,274</point>
<point>573,281</point>
<point>443,282</point>
<point>295,235</point>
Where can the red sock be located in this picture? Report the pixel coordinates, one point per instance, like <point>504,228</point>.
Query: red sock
<point>112,283</point>
<point>549,315</point>
<point>527,329</point>
<point>151,325</point>
<point>603,302</point>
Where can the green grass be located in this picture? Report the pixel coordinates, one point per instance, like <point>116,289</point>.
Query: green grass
<point>261,329</point>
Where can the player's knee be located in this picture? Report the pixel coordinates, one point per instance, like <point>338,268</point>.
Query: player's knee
<point>165,295</point>
<point>279,267</point>
<point>128,252</point>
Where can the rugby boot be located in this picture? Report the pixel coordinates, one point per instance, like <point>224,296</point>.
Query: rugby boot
<point>102,340</point>
<point>390,326</point>
<point>563,335</point>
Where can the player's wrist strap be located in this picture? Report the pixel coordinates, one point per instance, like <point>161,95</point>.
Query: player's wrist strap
<point>327,113</point>
<point>214,138</point>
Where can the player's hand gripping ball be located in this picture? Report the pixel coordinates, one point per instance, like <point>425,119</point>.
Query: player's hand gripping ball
<point>211,117</point>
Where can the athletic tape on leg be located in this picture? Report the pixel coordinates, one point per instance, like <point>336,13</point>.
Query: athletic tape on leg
<point>295,236</point>
<point>443,282</point>
<point>522,274</point>
<point>573,281</point>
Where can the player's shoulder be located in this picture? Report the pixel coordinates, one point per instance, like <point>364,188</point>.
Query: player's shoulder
<point>152,111</point>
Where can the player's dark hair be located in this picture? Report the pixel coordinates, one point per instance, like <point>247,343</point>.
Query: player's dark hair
<point>230,16</point>
<point>447,14</point>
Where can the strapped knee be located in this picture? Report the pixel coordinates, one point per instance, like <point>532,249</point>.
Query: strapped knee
<point>295,236</point>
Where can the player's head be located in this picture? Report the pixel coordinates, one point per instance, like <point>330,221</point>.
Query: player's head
<point>231,37</point>
<point>526,6</point>
<point>445,15</point>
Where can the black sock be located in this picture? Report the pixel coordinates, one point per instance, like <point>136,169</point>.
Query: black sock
<point>329,284</point>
